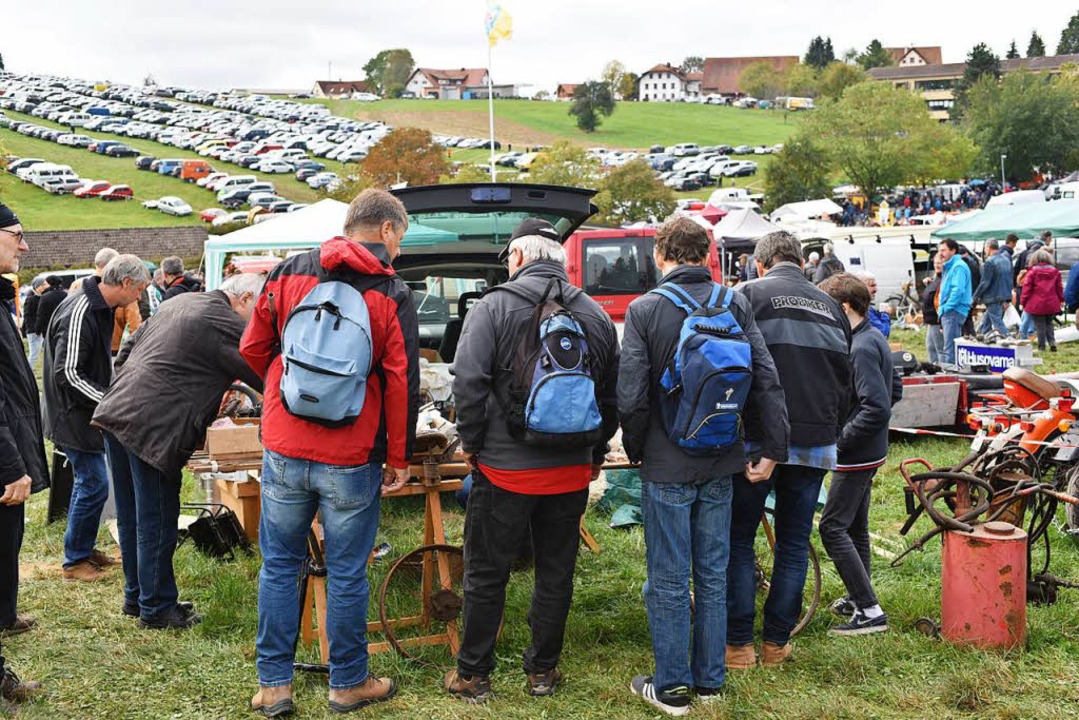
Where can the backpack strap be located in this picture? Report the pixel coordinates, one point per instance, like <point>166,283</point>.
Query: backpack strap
<point>720,298</point>
<point>678,296</point>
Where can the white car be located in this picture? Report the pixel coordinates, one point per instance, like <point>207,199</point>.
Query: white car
<point>74,140</point>
<point>173,206</point>
<point>365,97</point>
<point>321,179</point>
<point>204,182</point>
<point>228,219</point>
<point>275,167</point>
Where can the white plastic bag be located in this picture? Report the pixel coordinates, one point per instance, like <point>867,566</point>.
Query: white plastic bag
<point>1011,317</point>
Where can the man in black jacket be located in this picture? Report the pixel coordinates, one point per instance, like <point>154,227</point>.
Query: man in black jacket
<point>23,468</point>
<point>686,499</point>
<point>78,370</point>
<point>51,298</point>
<point>809,338</point>
<point>154,416</point>
<point>518,487</point>
<point>863,447</point>
<point>29,319</point>
<point>176,281</point>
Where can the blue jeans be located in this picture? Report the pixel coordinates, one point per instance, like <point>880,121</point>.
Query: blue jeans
<point>89,492</point>
<point>934,343</point>
<point>1026,325</point>
<point>797,489</point>
<point>36,342</point>
<point>147,508</point>
<point>993,317</point>
<point>952,323</point>
<point>686,524</point>
<point>347,498</point>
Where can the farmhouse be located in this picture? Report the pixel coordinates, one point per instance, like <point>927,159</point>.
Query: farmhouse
<point>462,84</point>
<point>336,89</point>
<point>666,83</point>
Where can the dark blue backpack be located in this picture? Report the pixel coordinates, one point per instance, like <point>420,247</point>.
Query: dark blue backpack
<point>552,396</point>
<point>708,380</point>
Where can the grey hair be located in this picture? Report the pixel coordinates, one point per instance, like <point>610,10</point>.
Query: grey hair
<point>537,247</point>
<point>104,257</point>
<point>814,256</point>
<point>829,249</point>
<point>241,283</point>
<point>172,265</point>
<point>779,246</point>
<point>864,275</point>
<point>122,267</point>
<point>371,208</point>
<point>1041,255</point>
<point>992,243</point>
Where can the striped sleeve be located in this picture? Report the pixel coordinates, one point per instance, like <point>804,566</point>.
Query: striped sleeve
<point>73,354</point>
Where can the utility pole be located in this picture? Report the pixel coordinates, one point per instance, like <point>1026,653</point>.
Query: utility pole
<point>329,69</point>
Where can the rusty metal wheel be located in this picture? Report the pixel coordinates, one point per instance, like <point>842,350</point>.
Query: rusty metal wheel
<point>811,595</point>
<point>420,603</point>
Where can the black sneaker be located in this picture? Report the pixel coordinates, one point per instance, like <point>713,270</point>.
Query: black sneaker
<point>177,619</point>
<point>844,607</point>
<point>132,609</point>
<point>674,701</point>
<point>861,624</point>
<point>707,695</point>
<point>545,683</point>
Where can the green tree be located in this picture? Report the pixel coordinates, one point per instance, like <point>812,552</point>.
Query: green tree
<point>631,83</point>
<point>761,80</point>
<point>466,173</point>
<point>565,164</point>
<point>875,56</point>
<point>1036,46</point>
<point>591,100</point>
<point>820,53</point>
<point>1013,52</point>
<point>631,193</point>
<point>837,77</point>
<point>613,73</point>
<point>388,72</point>
<point>802,81</point>
<point>797,172</point>
<point>980,61</point>
<point>692,64</point>
<point>1031,118</point>
<point>879,136</point>
<point>1069,38</point>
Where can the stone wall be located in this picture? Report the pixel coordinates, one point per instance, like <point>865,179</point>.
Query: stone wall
<point>76,248</point>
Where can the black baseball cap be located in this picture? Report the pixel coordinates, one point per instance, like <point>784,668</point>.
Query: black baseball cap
<point>530,226</point>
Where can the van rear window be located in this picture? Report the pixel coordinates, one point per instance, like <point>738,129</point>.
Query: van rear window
<point>618,266</point>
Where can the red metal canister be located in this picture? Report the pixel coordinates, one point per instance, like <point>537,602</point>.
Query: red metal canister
<point>983,586</point>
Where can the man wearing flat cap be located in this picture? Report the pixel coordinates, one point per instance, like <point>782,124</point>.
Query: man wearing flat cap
<point>527,489</point>
<point>23,468</point>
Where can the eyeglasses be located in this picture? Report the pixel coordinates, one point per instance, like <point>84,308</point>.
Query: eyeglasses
<point>20,236</point>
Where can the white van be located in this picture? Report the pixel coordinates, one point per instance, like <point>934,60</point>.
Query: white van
<point>38,174</point>
<point>683,149</point>
<point>235,182</point>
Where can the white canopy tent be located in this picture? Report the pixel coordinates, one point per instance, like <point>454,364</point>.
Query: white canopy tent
<point>738,231</point>
<point>807,209</point>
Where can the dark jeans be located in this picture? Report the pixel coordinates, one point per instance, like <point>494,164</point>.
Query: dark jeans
<point>11,531</point>
<point>147,509</point>
<point>844,530</point>
<point>796,488</point>
<point>496,525</point>
<point>88,496</point>
<point>1043,324</point>
<point>686,535</point>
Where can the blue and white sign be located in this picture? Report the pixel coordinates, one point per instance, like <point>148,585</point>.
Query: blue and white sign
<point>996,358</point>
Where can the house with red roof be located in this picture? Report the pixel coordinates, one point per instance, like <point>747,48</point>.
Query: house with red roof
<point>337,89</point>
<point>667,83</point>
<point>459,84</point>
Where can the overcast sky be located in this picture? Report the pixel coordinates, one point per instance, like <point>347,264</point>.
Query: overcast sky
<point>278,44</point>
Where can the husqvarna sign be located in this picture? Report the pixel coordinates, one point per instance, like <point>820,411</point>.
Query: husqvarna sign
<point>996,358</point>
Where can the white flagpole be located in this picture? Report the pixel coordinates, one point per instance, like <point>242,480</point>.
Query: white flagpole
<point>491,109</point>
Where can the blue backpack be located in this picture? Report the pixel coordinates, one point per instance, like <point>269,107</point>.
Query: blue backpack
<point>552,390</point>
<point>708,380</point>
<point>326,350</point>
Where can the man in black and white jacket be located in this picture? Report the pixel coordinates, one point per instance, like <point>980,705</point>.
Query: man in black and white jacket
<point>78,370</point>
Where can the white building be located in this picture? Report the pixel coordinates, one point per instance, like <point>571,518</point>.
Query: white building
<point>665,83</point>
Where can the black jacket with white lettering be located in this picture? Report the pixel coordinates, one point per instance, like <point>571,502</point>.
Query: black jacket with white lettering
<point>809,337</point>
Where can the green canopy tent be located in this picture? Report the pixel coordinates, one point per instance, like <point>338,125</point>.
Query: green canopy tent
<point>301,230</point>
<point>1027,221</point>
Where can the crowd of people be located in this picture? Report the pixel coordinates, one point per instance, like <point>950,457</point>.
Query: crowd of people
<point>905,207</point>
<point>711,444</point>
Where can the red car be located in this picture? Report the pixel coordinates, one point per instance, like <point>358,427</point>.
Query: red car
<point>210,214</point>
<point>118,192</point>
<point>92,189</point>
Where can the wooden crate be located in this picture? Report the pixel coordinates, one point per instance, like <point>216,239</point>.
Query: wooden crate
<point>244,499</point>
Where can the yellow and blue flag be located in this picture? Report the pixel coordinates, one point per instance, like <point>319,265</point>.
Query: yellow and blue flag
<point>499,24</point>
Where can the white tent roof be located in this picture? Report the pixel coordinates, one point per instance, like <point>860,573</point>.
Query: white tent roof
<point>741,228</point>
<point>807,209</point>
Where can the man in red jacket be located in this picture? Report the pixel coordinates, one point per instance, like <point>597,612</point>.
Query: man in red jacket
<point>310,467</point>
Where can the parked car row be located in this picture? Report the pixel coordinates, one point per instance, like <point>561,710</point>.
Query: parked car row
<point>61,180</point>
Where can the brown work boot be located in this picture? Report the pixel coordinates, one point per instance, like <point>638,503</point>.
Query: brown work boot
<point>84,571</point>
<point>741,657</point>
<point>16,690</point>
<point>370,691</point>
<point>23,623</point>
<point>542,684</point>
<point>772,654</point>
<point>102,560</point>
<point>274,701</point>
<point>470,688</point>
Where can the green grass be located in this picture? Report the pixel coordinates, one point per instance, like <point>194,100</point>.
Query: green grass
<point>632,125</point>
<point>98,664</point>
<point>41,211</point>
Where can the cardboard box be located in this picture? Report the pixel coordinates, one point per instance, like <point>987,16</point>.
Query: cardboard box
<point>230,443</point>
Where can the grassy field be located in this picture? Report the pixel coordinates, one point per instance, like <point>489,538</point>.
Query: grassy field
<point>96,663</point>
<point>41,211</point>
<point>632,125</point>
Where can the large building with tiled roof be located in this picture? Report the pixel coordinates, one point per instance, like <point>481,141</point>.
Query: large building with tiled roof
<point>721,75</point>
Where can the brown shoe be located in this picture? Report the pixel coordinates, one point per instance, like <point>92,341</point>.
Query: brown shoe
<point>102,560</point>
<point>84,571</point>
<point>772,654</point>
<point>274,701</point>
<point>370,691</point>
<point>23,623</point>
<point>741,657</point>
<point>545,683</point>
<point>470,688</point>
<point>16,690</point>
